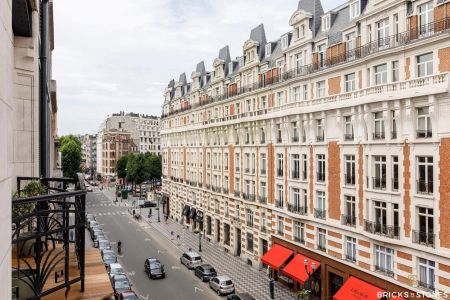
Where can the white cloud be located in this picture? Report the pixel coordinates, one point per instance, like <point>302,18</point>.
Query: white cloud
<point>112,55</point>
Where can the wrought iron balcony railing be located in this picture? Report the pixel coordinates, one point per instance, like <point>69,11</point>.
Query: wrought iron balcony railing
<point>350,257</point>
<point>348,137</point>
<point>423,238</point>
<point>426,285</point>
<point>294,208</point>
<point>263,199</point>
<point>295,174</point>
<point>44,228</point>
<point>424,187</point>
<point>379,135</point>
<point>349,179</point>
<point>348,220</point>
<point>320,213</point>
<point>384,270</point>
<point>299,239</point>
<point>424,134</point>
<point>379,183</point>
<point>320,176</point>
<point>279,203</point>
<point>280,172</point>
<point>389,231</point>
<point>397,40</point>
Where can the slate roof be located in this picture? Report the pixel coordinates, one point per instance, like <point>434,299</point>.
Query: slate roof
<point>258,34</point>
<point>315,8</point>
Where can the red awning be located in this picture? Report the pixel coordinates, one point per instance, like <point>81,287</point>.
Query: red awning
<point>276,256</point>
<point>357,289</point>
<point>296,268</point>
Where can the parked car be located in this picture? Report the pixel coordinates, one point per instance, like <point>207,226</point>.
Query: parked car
<point>89,189</point>
<point>222,285</point>
<point>103,244</point>
<point>92,223</point>
<point>130,295</point>
<point>191,259</point>
<point>145,203</point>
<point>120,285</point>
<point>115,269</point>
<point>240,296</point>
<point>109,258</point>
<point>205,272</point>
<point>106,251</point>
<point>154,268</point>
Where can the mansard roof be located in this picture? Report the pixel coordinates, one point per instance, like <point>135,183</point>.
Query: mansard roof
<point>201,68</point>
<point>314,7</point>
<point>258,34</point>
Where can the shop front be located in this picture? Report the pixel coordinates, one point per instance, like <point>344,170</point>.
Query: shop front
<point>329,278</point>
<point>185,213</point>
<point>199,220</point>
<point>192,216</point>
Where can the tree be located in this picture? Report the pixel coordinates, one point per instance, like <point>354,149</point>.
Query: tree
<point>67,138</point>
<point>121,167</point>
<point>141,172</point>
<point>70,158</point>
<point>131,168</point>
<point>154,165</point>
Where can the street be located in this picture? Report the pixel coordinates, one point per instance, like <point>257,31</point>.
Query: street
<point>140,241</point>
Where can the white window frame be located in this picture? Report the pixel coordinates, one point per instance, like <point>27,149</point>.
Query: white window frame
<point>424,68</point>
<point>326,22</point>
<point>354,9</point>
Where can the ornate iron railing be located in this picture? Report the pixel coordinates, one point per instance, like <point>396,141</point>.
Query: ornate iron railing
<point>47,238</point>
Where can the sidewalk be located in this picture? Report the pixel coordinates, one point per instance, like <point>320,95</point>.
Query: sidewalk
<point>245,277</point>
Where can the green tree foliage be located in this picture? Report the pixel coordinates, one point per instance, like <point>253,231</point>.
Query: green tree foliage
<point>67,138</point>
<point>131,167</point>
<point>141,171</point>
<point>34,188</point>
<point>70,158</point>
<point>121,166</point>
<point>153,165</point>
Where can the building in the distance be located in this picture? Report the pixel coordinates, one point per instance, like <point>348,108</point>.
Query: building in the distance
<point>143,130</point>
<point>114,144</point>
<point>89,151</point>
<point>330,143</point>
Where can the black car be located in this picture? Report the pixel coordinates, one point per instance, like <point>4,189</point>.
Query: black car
<point>149,204</point>
<point>154,268</point>
<point>240,296</point>
<point>120,284</point>
<point>205,272</point>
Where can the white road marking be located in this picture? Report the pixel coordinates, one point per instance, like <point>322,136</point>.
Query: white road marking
<point>175,268</point>
<point>161,251</point>
<point>197,289</point>
<point>146,298</point>
<point>132,273</point>
<point>147,239</point>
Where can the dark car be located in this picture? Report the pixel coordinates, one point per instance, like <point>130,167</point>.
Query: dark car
<point>120,285</point>
<point>240,296</point>
<point>154,268</point>
<point>205,272</point>
<point>148,204</point>
<point>128,296</point>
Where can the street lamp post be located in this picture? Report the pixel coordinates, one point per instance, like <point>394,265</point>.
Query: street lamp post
<point>199,241</point>
<point>308,281</point>
<point>159,220</point>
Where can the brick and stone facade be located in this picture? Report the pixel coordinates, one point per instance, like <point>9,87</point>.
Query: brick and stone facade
<point>342,131</point>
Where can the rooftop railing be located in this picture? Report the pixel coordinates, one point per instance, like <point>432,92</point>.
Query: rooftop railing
<point>351,55</point>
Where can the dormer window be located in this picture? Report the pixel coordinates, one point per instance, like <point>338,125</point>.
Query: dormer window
<point>284,42</point>
<point>230,67</point>
<point>326,22</point>
<point>354,9</point>
<point>241,61</point>
<point>268,49</point>
<point>301,31</point>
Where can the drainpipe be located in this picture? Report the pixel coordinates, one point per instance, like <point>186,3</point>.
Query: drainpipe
<point>44,119</point>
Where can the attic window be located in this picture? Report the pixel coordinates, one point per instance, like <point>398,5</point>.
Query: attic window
<point>230,67</point>
<point>268,50</point>
<point>326,20</point>
<point>354,9</point>
<point>241,61</point>
<point>284,42</point>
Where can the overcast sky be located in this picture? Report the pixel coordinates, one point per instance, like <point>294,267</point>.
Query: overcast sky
<point>113,55</point>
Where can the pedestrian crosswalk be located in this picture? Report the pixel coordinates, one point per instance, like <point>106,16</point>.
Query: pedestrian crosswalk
<point>111,213</point>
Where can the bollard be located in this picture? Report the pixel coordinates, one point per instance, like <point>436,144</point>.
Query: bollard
<point>272,288</point>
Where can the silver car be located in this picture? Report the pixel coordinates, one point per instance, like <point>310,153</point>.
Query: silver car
<point>191,259</point>
<point>222,285</point>
<point>115,269</point>
<point>103,244</point>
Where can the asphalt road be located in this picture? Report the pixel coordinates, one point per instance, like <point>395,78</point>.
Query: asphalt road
<point>140,241</point>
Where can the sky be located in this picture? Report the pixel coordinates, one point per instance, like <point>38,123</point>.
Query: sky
<point>113,55</point>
